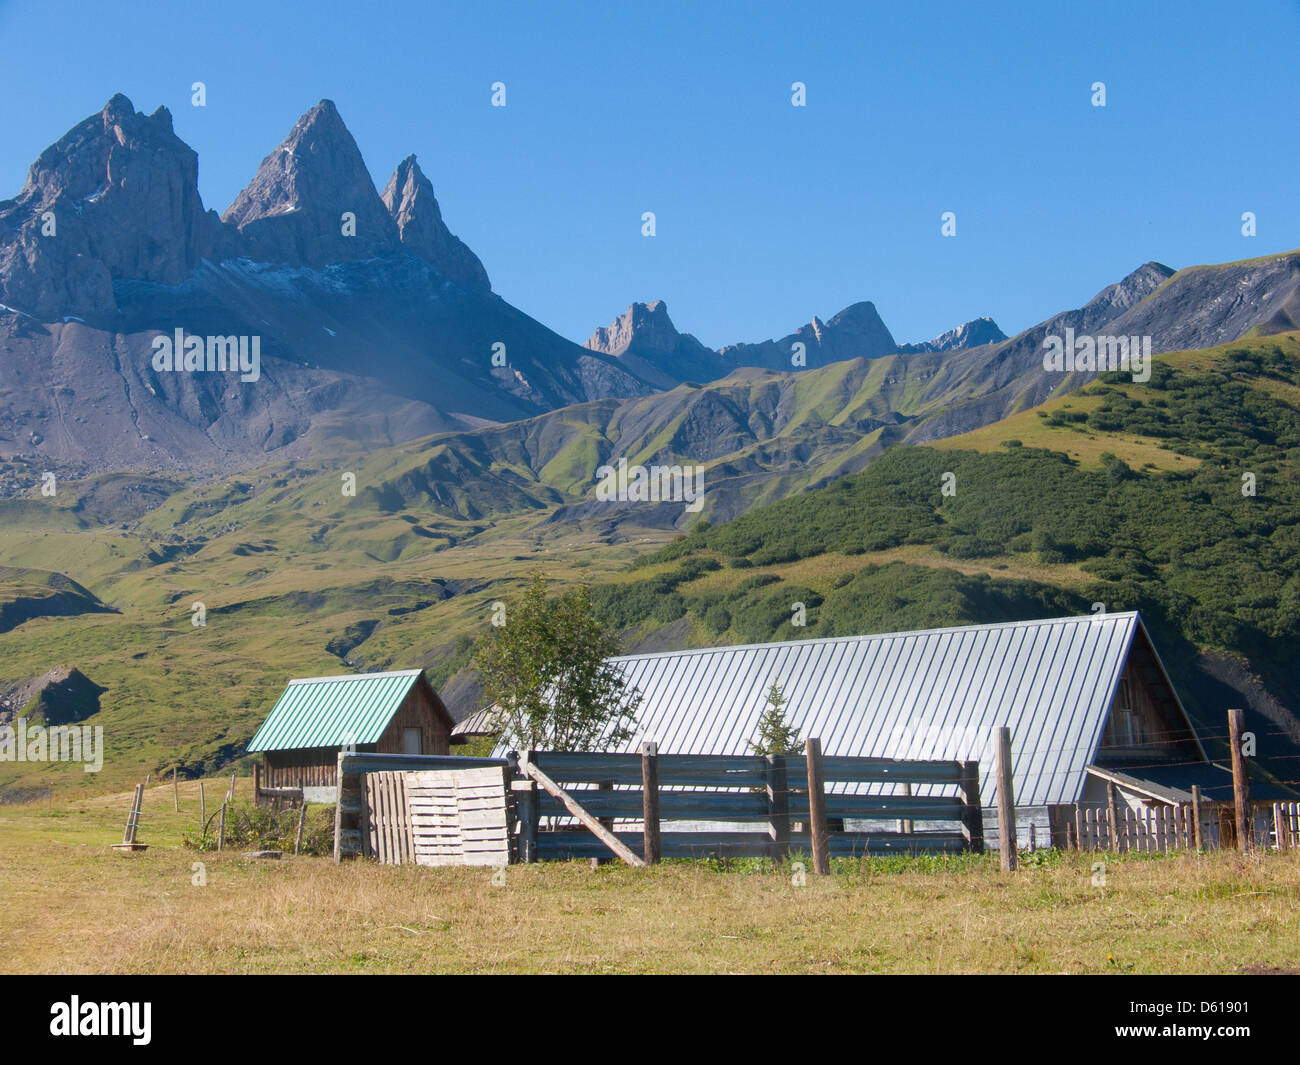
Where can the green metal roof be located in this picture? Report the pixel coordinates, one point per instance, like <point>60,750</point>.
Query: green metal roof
<point>334,711</point>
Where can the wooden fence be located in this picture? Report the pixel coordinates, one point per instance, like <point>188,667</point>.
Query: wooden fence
<point>1158,828</point>
<point>385,818</point>
<point>1286,825</point>
<point>448,810</point>
<point>785,798</point>
<point>1120,828</point>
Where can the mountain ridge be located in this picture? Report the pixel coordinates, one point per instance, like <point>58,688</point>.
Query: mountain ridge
<point>378,326</point>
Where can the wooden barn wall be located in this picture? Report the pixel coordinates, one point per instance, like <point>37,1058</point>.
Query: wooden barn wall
<point>417,711</point>
<point>311,767</point>
<point>1143,691</point>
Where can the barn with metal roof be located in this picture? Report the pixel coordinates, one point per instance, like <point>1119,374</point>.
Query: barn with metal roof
<point>315,718</point>
<point>1075,692</point>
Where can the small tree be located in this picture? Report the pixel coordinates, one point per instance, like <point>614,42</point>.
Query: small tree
<point>775,734</point>
<point>545,670</point>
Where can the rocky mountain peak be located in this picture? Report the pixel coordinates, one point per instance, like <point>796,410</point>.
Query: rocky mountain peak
<point>410,202</point>
<point>644,338</point>
<point>115,197</point>
<point>1115,299</point>
<point>312,201</point>
<point>972,334</point>
<point>856,330</point>
<point>645,324</point>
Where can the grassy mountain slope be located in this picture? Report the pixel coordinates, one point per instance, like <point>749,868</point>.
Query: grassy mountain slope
<point>1120,493</point>
<point>1124,494</point>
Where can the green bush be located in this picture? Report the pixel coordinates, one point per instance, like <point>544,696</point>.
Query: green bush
<point>251,827</point>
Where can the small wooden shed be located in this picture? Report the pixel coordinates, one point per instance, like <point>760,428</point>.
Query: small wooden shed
<point>317,717</point>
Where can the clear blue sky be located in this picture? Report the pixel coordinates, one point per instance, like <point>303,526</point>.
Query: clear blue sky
<point>767,214</point>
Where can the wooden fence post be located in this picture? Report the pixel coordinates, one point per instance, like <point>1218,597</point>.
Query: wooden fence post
<point>221,832</point>
<point>1240,781</point>
<point>302,821</point>
<point>972,813</point>
<point>1112,818</point>
<point>1060,826</point>
<point>575,808</point>
<point>133,815</point>
<point>338,805</point>
<point>607,822</point>
<point>203,808</point>
<point>651,847</point>
<point>526,809</point>
<point>176,793</point>
<point>1196,817</point>
<point>778,805</point>
<point>525,790</point>
<point>1006,800</point>
<point>905,825</point>
<point>257,783</point>
<point>231,794</point>
<point>817,807</point>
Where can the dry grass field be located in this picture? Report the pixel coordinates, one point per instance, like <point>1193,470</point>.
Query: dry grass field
<point>72,905</point>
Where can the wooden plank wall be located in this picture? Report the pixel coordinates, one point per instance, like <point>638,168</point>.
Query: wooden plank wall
<point>352,811</point>
<point>437,817</point>
<point>300,776</point>
<point>460,816</point>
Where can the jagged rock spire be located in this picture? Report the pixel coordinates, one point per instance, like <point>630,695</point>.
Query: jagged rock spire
<point>414,209</point>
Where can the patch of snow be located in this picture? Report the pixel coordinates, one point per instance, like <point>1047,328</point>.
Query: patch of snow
<point>98,195</point>
<point>329,331</point>
<point>73,318</point>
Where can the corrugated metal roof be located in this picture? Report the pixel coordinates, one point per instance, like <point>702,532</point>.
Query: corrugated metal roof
<point>931,694</point>
<point>485,722</point>
<point>334,711</point>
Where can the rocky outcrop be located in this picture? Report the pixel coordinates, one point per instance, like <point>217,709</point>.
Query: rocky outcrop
<point>646,340</point>
<point>312,201</point>
<point>115,197</point>
<point>411,204</point>
<point>856,332</point>
<point>1202,306</point>
<point>972,334</point>
<point>60,696</point>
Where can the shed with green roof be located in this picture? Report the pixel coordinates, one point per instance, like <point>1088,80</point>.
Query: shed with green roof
<point>317,717</point>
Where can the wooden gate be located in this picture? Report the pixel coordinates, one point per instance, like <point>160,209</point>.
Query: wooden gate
<point>385,820</point>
